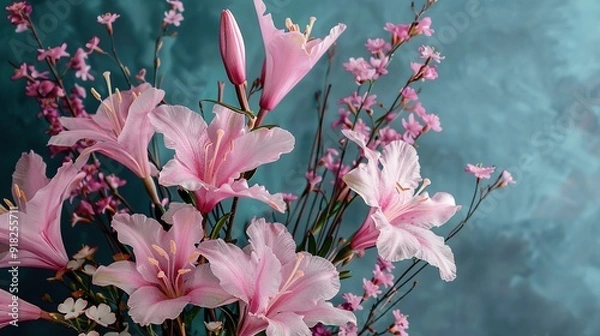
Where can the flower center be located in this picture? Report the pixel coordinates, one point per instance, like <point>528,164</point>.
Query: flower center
<point>172,279</point>
<point>291,26</point>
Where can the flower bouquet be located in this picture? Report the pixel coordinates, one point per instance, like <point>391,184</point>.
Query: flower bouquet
<point>188,262</point>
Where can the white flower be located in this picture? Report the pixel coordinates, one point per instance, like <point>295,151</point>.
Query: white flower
<point>72,308</point>
<point>89,269</point>
<point>91,333</point>
<point>75,264</point>
<point>85,252</point>
<point>101,315</point>
<point>122,333</point>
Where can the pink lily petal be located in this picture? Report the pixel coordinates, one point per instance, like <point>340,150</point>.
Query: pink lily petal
<point>205,289</point>
<point>208,198</point>
<point>327,314</point>
<point>148,305</point>
<point>287,324</point>
<point>30,174</point>
<point>262,234</point>
<point>122,274</point>
<point>27,311</point>
<point>428,212</point>
<point>231,265</point>
<point>186,233</point>
<point>139,231</point>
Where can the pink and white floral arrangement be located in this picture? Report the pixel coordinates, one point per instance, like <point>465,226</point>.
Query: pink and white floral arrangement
<point>178,269</point>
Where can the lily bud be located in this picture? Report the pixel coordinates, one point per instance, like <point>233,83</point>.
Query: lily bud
<point>233,51</point>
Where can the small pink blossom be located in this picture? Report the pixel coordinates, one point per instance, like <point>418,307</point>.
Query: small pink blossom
<point>424,27</point>
<point>353,302</point>
<point>380,66</point>
<point>176,5</point>
<point>371,289</point>
<point>400,32</point>
<point>342,120</point>
<point>289,198</point>
<point>479,171</point>
<point>350,329</point>
<point>108,19</point>
<point>362,128</point>
<point>384,265</point>
<point>92,45</point>
<point>423,72</point>
<point>432,121</point>
<point>173,17</point>
<point>429,52</point>
<point>356,102</point>
<point>412,126</point>
<point>506,179</point>
<point>410,94</point>
<point>383,277</point>
<point>361,69</point>
<point>20,72</point>
<point>419,109</point>
<point>18,14</point>
<point>378,46</point>
<point>388,135</point>
<point>54,54</point>
<point>313,179</point>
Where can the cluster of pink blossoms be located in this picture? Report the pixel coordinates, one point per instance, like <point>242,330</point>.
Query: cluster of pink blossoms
<point>18,15</point>
<point>174,16</point>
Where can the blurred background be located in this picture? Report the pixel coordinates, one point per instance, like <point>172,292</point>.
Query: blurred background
<point>519,89</point>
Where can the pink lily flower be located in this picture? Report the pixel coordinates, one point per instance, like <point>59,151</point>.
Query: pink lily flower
<point>209,160</point>
<point>165,276</point>
<point>39,202</point>
<point>26,311</point>
<point>401,216</point>
<point>120,127</point>
<point>281,291</point>
<point>289,55</point>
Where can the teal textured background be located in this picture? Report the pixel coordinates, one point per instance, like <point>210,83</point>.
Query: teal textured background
<point>519,89</point>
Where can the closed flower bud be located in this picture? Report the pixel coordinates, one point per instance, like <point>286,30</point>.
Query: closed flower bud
<point>233,51</point>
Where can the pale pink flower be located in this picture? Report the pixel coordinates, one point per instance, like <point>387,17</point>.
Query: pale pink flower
<point>173,17</point>
<point>165,276</point>
<point>412,126</point>
<point>356,102</point>
<point>108,19</point>
<point>92,45</point>
<point>433,122</point>
<point>349,329</point>
<point>401,216</point>
<point>20,72</point>
<point>353,302</point>
<point>40,205</point>
<point>18,13</point>
<point>410,94</point>
<point>424,27</point>
<point>506,179</point>
<point>176,4</point>
<point>289,198</point>
<point>233,51</point>
<point>378,46</point>
<point>361,69</point>
<point>54,54</point>
<point>479,171</point>
<point>84,73</point>
<point>382,277</point>
<point>371,289</point>
<point>281,291</point>
<point>26,310</point>
<point>384,265</point>
<point>399,31</point>
<point>209,160</point>
<point>424,72</point>
<point>419,109</point>
<point>429,52</point>
<point>120,127</point>
<point>289,55</point>
<point>380,66</point>
<point>313,179</point>
<point>141,75</point>
<point>362,128</point>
